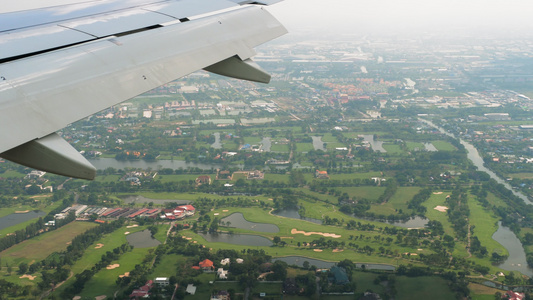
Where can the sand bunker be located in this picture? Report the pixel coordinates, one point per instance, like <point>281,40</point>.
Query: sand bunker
<point>441,208</point>
<point>225,210</point>
<point>100,297</point>
<point>317,250</point>
<point>338,250</point>
<point>437,193</point>
<point>188,239</point>
<point>216,214</point>
<point>333,235</point>
<point>98,246</point>
<point>131,226</point>
<point>127,232</point>
<point>28,276</point>
<point>127,274</point>
<point>194,242</point>
<point>113,266</point>
<point>22,211</point>
<point>76,298</point>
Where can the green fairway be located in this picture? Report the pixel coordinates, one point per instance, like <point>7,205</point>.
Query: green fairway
<point>304,147</point>
<point>397,202</point>
<point>39,247</point>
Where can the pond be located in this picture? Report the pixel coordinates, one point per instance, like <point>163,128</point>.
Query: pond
<point>217,144</point>
<point>15,219</point>
<point>517,257</point>
<point>237,220</point>
<point>294,214</point>
<point>376,145</point>
<point>317,143</point>
<point>266,144</point>
<point>430,147</point>
<point>142,239</point>
<point>299,261</point>
<point>412,223</point>
<point>140,199</point>
<point>237,239</point>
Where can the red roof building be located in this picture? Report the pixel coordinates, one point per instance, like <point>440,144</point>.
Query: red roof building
<point>513,295</point>
<point>206,265</point>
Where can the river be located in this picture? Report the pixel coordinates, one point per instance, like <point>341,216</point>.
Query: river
<point>517,256</point>
<point>104,163</point>
<point>477,160</point>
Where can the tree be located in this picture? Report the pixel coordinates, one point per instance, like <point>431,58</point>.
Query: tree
<point>276,240</point>
<point>23,267</point>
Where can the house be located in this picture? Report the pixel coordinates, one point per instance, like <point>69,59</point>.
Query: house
<point>206,265</point>
<point>222,274</point>
<point>225,261</point>
<point>191,289</point>
<point>513,295</point>
<point>370,296</point>
<point>256,175</point>
<point>161,281</point>
<point>143,291</point>
<point>224,175</point>
<point>290,287</point>
<point>204,179</point>
<point>338,275</point>
<point>221,295</point>
<point>321,174</point>
<point>239,260</point>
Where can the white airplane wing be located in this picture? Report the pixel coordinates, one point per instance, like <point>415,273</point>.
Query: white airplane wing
<point>63,63</point>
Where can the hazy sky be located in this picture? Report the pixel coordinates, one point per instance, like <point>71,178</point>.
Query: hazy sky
<point>360,16</point>
<point>384,16</point>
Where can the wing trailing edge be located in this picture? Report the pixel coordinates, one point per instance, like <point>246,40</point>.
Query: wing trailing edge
<point>52,154</point>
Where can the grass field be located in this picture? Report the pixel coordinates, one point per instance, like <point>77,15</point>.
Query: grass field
<point>443,146</point>
<point>434,288</point>
<point>436,215</point>
<point>397,201</point>
<point>38,248</point>
<point>368,192</point>
<point>304,147</point>
<point>393,149</point>
<point>481,292</point>
<point>485,223</point>
<point>414,145</point>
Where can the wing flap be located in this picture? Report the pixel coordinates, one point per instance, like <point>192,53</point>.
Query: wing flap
<point>44,93</point>
<point>52,154</point>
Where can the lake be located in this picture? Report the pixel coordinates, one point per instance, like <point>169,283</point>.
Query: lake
<point>294,214</point>
<point>237,239</point>
<point>15,219</point>
<point>142,239</point>
<point>237,220</point>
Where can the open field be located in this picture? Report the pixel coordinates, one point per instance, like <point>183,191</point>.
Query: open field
<point>38,248</point>
<point>485,223</point>
<point>434,288</point>
<point>371,193</point>
<point>304,147</point>
<point>397,201</point>
<point>443,146</point>
<point>481,292</point>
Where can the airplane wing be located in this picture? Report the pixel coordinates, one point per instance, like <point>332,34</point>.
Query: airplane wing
<point>63,63</point>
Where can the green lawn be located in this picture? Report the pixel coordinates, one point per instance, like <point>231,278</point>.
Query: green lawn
<point>413,145</point>
<point>443,146</point>
<point>434,288</point>
<point>393,149</point>
<point>39,247</point>
<point>396,202</point>
<point>304,147</point>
